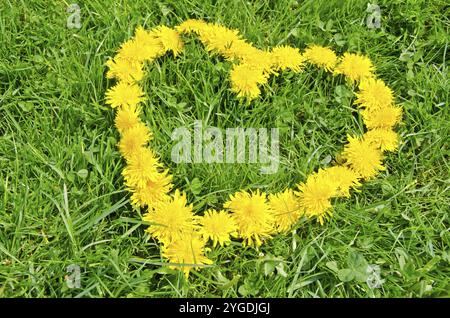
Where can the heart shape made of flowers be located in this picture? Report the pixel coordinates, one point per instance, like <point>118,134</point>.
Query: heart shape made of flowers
<point>252,216</point>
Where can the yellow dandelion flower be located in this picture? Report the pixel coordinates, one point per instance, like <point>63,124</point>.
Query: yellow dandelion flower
<point>321,57</point>
<point>192,25</point>
<point>186,253</point>
<point>343,177</point>
<point>261,61</point>
<point>132,50</point>
<point>386,117</point>
<point>374,94</point>
<point>218,38</point>
<point>245,80</point>
<point>209,33</point>
<point>124,70</point>
<point>240,50</point>
<point>315,196</point>
<point>355,66</point>
<point>133,139</point>
<point>155,190</point>
<point>170,39</point>
<point>217,226</point>
<point>142,167</point>
<point>384,139</point>
<point>124,94</point>
<point>286,57</point>
<point>171,219</point>
<point>252,215</point>
<point>127,117</point>
<point>363,157</point>
<point>151,46</point>
<point>237,50</point>
<point>286,209</point>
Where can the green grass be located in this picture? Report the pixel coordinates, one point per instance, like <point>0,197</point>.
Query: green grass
<point>62,196</point>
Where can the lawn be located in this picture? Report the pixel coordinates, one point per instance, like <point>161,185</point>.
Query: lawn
<point>63,201</point>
